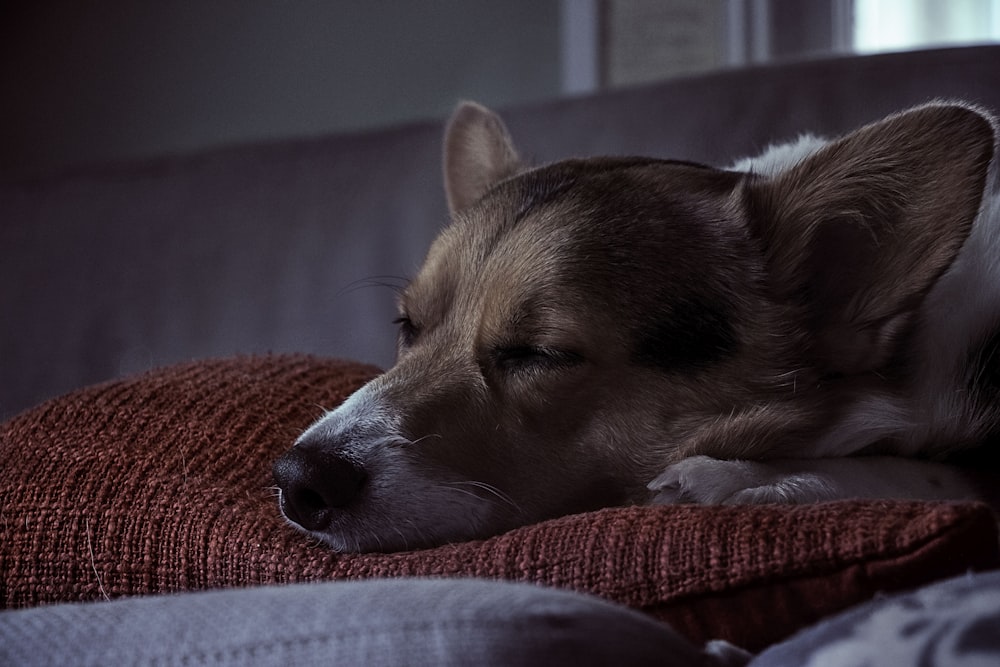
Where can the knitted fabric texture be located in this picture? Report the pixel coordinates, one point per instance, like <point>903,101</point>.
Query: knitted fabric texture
<point>161,483</point>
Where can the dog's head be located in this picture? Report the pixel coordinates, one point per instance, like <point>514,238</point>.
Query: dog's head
<point>578,326</point>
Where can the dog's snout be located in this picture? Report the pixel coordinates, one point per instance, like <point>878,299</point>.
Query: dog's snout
<point>315,484</point>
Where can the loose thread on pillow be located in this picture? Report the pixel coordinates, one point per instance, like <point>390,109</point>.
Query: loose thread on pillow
<point>93,562</point>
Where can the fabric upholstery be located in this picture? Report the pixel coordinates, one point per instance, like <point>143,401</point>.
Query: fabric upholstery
<point>108,271</point>
<point>948,624</point>
<point>160,483</point>
<point>417,622</point>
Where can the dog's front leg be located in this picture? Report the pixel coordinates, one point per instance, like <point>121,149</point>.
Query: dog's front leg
<point>702,479</point>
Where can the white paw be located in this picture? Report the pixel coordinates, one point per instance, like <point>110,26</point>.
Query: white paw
<point>708,481</point>
<point>701,479</point>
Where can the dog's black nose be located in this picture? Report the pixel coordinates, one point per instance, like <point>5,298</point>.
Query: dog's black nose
<point>316,484</point>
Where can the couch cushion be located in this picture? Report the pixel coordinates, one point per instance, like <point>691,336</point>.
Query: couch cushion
<point>391,622</point>
<point>161,483</point>
<point>952,623</point>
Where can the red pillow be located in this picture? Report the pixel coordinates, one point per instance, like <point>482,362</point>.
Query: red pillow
<point>161,483</point>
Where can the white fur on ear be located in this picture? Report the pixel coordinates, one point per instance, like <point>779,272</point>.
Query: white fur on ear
<point>478,153</point>
<point>779,157</point>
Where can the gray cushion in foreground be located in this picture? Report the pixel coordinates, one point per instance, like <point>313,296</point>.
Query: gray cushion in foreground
<point>376,622</point>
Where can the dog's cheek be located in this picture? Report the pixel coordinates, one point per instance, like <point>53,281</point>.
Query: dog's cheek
<point>693,334</point>
<point>551,409</point>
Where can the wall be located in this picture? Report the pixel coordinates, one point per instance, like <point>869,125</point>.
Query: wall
<point>84,82</point>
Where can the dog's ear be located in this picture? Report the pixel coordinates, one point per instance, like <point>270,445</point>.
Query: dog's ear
<point>478,153</point>
<point>859,231</point>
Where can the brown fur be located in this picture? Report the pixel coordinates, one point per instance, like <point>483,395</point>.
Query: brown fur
<point>581,326</point>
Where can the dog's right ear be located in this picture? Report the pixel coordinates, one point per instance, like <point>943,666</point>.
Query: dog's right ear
<point>478,153</point>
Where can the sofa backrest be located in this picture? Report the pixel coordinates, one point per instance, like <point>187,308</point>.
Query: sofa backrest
<point>294,246</point>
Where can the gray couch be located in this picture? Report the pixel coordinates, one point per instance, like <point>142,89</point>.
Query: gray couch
<point>283,247</point>
<point>441,623</point>
<point>290,247</point>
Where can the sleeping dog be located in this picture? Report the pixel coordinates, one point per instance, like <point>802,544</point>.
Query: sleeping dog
<point>819,322</point>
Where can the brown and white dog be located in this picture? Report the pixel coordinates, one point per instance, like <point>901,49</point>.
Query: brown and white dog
<point>820,322</point>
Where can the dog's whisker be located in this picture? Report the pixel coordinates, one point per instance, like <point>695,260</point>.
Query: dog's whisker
<point>395,283</point>
<point>402,536</point>
<point>412,443</point>
<point>497,492</point>
<point>451,487</point>
<point>417,532</point>
<point>489,488</point>
<point>375,281</point>
<point>378,540</point>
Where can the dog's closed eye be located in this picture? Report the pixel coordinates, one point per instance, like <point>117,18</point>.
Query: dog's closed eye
<point>524,358</point>
<point>408,331</point>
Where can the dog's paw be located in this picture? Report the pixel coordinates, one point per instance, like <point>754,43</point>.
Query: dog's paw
<point>708,481</point>
<point>701,479</point>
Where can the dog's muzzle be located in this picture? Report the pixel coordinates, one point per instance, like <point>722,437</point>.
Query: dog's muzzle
<point>316,485</point>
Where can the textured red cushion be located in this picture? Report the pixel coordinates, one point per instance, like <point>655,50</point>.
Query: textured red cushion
<point>161,483</point>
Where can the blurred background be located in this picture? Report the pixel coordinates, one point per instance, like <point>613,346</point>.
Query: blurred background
<point>185,179</point>
<point>119,79</point>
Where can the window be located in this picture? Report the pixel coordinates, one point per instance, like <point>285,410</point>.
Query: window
<point>608,43</point>
<point>894,25</point>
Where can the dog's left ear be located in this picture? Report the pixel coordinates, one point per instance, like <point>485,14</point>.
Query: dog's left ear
<point>859,231</point>
<point>478,153</point>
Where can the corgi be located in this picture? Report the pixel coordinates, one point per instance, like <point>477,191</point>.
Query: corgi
<point>819,322</point>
